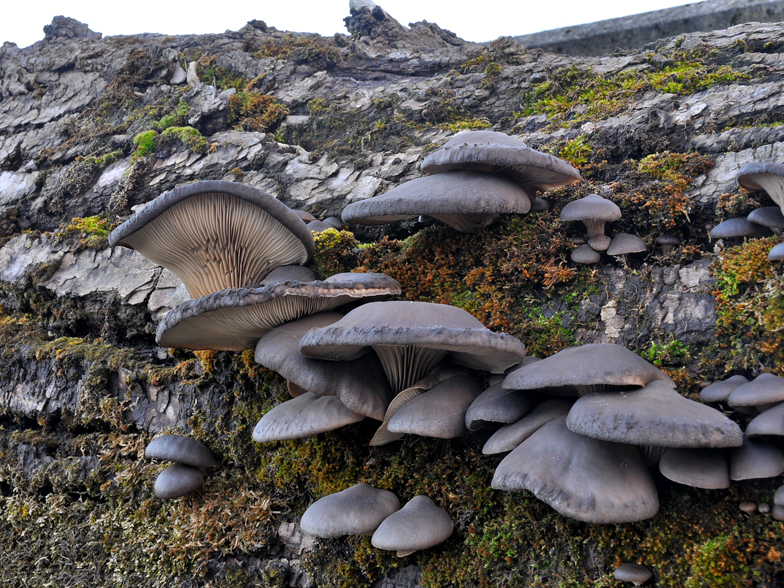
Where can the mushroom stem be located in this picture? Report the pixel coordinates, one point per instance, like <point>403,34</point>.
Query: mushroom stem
<point>595,227</point>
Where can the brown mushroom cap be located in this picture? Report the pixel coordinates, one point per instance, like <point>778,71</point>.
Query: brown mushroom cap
<point>755,459</point>
<point>764,389</point>
<point>634,573</point>
<point>439,412</point>
<point>582,478</point>
<point>178,480</point>
<point>496,152</point>
<point>411,338</point>
<point>215,235</point>
<point>497,405</point>
<point>720,391</point>
<point>654,415</point>
<point>624,243</point>
<point>586,368</point>
<point>360,384</point>
<point>420,524</point>
<point>736,228</point>
<point>303,416</point>
<point>764,176</point>
<point>465,200</point>
<point>769,422</point>
<point>699,468</point>
<point>593,210</point>
<point>182,450</point>
<point>510,436</point>
<point>235,319</point>
<point>357,510</point>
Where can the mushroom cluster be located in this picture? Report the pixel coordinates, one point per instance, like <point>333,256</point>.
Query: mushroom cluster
<point>474,177</point>
<point>191,459</point>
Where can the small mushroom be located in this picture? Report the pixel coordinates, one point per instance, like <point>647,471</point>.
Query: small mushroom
<point>769,216</point>
<point>510,436</point>
<point>634,573</point>
<point>318,226</point>
<point>594,211</point>
<point>698,468</point>
<point>497,405</point>
<point>357,510</point>
<point>768,422</point>
<point>763,508</point>
<point>181,449</point>
<point>585,254</point>
<point>668,243</point>
<point>763,390</point>
<point>178,480</point>
<point>599,242</point>
<point>335,222</point>
<point>778,496</point>
<point>777,253</point>
<point>720,391</point>
<point>748,507</point>
<point>304,215</point>
<point>737,228</point>
<point>420,524</point>
<point>624,243</point>
<point>755,459</point>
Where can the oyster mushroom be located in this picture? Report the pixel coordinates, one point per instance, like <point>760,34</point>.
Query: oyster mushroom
<point>699,468</point>
<point>764,176</point>
<point>357,510</point>
<point>768,216</point>
<point>624,243</point>
<point>720,391</point>
<point>178,480</point>
<point>420,524</point>
<point>181,449</point>
<point>736,228</point>
<point>633,573</point>
<point>594,211</point>
<point>510,436</point>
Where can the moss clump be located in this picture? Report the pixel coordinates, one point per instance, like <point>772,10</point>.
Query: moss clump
<point>336,252</point>
<point>145,143</point>
<point>251,111</point>
<point>173,119</point>
<point>317,52</point>
<point>92,231</point>
<point>149,142</point>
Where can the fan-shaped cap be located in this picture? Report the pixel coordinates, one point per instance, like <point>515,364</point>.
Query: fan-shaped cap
<point>699,468</point>
<point>357,510</point>
<point>585,254</point>
<point>587,368</point>
<point>654,415</point>
<point>764,176</point>
<point>215,235</point>
<point>510,436</point>
<point>769,422</point>
<point>235,319</point>
<point>439,412</point>
<point>302,417</point>
<point>593,211</point>
<point>465,200</point>
<point>178,480</point>
<point>582,478</point>
<point>182,450</point>
<point>420,524</point>
<point>720,391</point>
<point>735,228</point>
<point>497,405</point>
<point>764,389</point>
<point>634,573</point>
<point>410,338</point>
<point>624,243</point>
<point>755,459</point>
<point>768,216</point>
<point>777,253</point>
<point>360,384</point>
<point>496,152</point>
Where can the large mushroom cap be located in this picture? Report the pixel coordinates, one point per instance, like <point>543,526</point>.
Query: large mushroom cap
<point>177,480</point>
<point>587,368</point>
<point>360,384</point>
<point>420,524</point>
<point>302,417</point>
<point>654,415</point>
<point>764,176</point>
<point>720,391</point>
<point>215,235</point>
<point>357,510</point>
<point>699,468</point>
<point>182,450</point>
<point>465,200</point>
<point>235,319</point>
<point>410,338</point>
<point>582,478</point>
<point>497,152</point>
<point>764,389</point>
<point>593,210</point>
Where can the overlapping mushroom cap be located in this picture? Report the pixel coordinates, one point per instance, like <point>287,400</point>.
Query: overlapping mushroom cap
<point>357,510</point>
<point>735,228</point>
<point>420,524</point>
<point>696,467</point>
<point>178,480</point>
<point>235,319</point>
<point>765,389</point>
<point>180,449</point>
<point>764,176</point>
<point>215,235</point>
<point>496,152</point>
<point>465,200</point>
<point>411,338</point>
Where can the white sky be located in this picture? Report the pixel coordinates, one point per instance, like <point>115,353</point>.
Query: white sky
<point>22,23</point>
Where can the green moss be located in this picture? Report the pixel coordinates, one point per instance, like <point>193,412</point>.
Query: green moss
<point>145,144</point>
<point>251,111</point>
<point>174,118</point>
<point>188,136</point>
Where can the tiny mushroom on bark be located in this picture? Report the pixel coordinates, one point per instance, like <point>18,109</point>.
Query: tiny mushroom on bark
<point>318,226</point>
<point>215,235</point>
<point>178,480</point>
<point>182,450</point>
<point>420,524</point>
<point>634,573</point>
<point>357,510</point>
<point>585,254</point>
<point>594,211</point>
<point>777,253</point>
<point>764,176</point>
<point>668,243</point>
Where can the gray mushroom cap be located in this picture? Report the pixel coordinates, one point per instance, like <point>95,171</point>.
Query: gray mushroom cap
<point>586,368</point>
<point>654,415</point>
<point>439,412</point>
<point>764,389</point>
<point>720,391</point>
<point>778,497</point>
<point>581,478</point>
<point>585,254</point>
<point>181,449</point>
<point>303,416</point>
<point>735,228</point>
<point>411,338</point>
<point>634,573</point>
<point>319,226</point>
<point>420,524</point>
<point>698,468</point>
<point>764,176</point>
<point>510,436</point>
<point>357,510</point>
<point>769,422</point>
<point>777,253</point>
<point>497,152</point>
<point>497,405</point>
<point>768,216</point>
<point>178,480</point>
<point>215,235</point>
<point>360,384</point>
<point>289,273</point>
<point>335,222</point>
<point>755,459</point>
<point>624,243</point>
<point>465,200</point>
<point>235,319</point>
<point>599,242</point>
<point>304,215</point>
<point>593,210</point>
